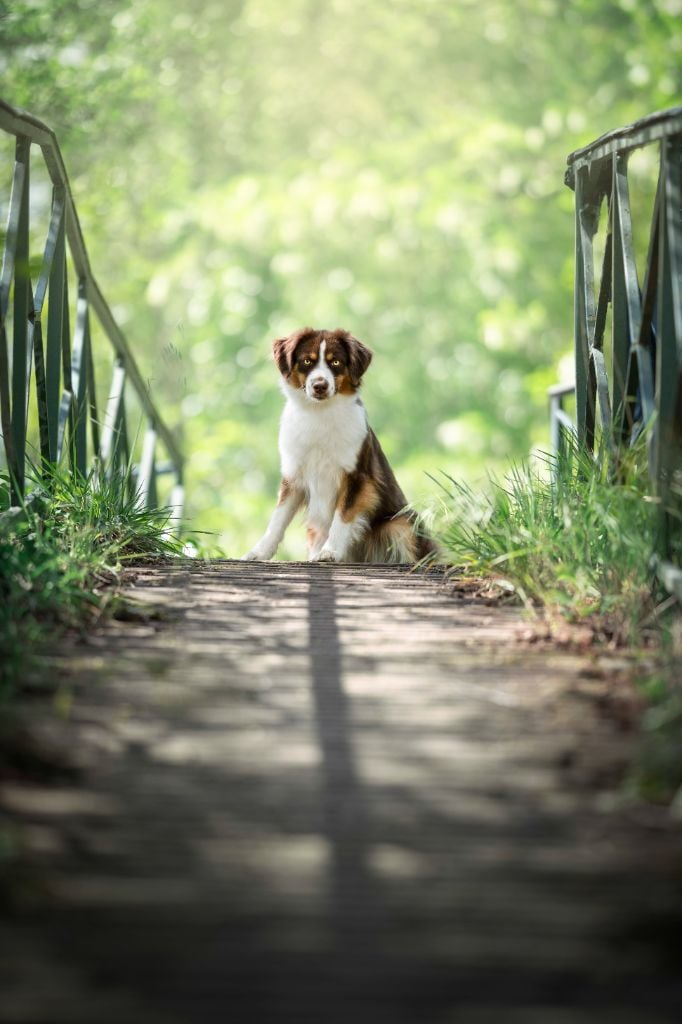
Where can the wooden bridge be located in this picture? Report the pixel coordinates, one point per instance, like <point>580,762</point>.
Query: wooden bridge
<point>334,793</point>
<point>328,793</point>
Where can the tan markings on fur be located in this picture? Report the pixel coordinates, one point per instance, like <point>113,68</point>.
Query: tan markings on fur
<point>393,541</point>
<point>312,536</point>
<point>357,498</point>
<point>284,491</point>
<point>344,385</point>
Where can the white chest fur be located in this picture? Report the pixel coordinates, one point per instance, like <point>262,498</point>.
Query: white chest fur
<point>318,442</point>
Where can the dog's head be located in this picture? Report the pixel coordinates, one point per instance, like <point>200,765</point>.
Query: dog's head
<point>321,364</point>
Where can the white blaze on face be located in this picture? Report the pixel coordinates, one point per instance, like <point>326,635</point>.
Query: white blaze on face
<point>320,372</point>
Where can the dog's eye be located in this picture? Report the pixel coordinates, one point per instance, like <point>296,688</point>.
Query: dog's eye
<point>307,362</point>
<point>335,363</point>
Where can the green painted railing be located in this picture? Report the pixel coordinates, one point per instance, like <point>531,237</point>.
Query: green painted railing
<point>62,368</point>
<point>642,385</point>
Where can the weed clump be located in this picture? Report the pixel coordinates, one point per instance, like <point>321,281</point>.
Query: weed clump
<point>60,553</point>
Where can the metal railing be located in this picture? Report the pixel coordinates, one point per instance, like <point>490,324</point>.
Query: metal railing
<point>62,369</point>
<point>642,386</point>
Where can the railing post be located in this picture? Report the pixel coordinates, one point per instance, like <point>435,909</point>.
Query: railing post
<point>14,398</point>
<point>587,216</point>
<point>22,353</point>
<point>92,394</point>
<point>146,478</point>
<point>625,294</point>
<point>55,327</point>
<point>52,246</point>
<point>111,428</point>
<point>642,358</point>
<point>560,422</point>
<point>66,417</point>
<point>36,345</point>
<point>177,503</point>
<point>668,456</point>
<point>79,378</point>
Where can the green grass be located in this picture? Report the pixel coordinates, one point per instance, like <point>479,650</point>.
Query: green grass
<point>576,544</point>
<point>60,559</point>
<point>657,774</point>
<point>565,536</point>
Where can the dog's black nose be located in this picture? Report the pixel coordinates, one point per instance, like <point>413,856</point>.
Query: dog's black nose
<point>320,387</point>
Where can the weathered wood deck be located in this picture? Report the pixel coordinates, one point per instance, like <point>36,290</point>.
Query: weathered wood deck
<point>335,794</point>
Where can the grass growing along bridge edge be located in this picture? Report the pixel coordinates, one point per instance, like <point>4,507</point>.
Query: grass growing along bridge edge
<point>576,545</point>
<point>61,556</point>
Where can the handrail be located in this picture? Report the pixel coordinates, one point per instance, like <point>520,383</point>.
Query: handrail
<point>64,410</point>
<point>651,128</point>
<point>642,387</point>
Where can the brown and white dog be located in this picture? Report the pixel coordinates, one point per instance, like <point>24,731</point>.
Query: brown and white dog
<point>332,461</point>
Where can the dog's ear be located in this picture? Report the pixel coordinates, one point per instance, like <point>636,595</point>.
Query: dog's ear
<point>359,357</point>
<point>282,353</point>
<point>284,349</point>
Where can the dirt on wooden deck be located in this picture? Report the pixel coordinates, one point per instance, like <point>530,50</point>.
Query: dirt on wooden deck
<point>332,794</point>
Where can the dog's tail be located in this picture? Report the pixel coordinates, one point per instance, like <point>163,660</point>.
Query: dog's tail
<point>398,541</point>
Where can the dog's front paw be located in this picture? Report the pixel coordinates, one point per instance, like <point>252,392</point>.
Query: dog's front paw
<point>324,555</point>
<point>256,556</point>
